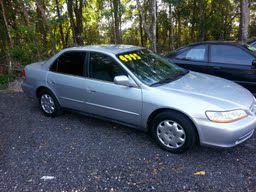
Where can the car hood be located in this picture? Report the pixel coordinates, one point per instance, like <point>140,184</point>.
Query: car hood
<point>209,87</point>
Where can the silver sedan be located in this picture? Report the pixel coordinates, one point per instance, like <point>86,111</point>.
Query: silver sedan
<point>133,86</point>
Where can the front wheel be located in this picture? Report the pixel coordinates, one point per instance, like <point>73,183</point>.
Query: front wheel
<point>49,104</point>
<point>173,131</point>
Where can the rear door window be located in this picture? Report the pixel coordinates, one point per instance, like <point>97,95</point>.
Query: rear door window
<point>71,63</point>
<point>196,53</point>
<point>230,54</point>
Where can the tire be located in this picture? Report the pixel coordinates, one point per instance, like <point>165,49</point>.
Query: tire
<point>173,131</point>
<point>49,104</point>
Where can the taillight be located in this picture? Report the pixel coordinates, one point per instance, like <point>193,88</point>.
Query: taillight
<point>23,74</point>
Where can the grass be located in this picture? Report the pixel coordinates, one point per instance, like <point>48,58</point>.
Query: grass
<point>5,79</point>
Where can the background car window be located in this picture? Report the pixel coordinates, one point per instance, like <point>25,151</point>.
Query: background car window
<point>253,44</point>
<point>70,63</point>
<point>103,67</point>
<point>230,54</point>
<point>197,53</point>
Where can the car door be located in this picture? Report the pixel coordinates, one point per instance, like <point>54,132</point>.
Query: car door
<point>107,99</point>
<point>234,63</point>
<point>67,79</point>
<point>194,58</point>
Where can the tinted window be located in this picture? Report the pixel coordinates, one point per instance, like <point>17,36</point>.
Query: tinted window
<point>103,67</point>
<point>230,54</point>
<point>196,53</point>
<point>252,43</point>
<point>70,63</point>
<point>175,52</point>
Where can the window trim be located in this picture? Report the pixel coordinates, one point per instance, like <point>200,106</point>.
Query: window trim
<point>191,47</point>
<point>244,50</point>
<point>84,63</point>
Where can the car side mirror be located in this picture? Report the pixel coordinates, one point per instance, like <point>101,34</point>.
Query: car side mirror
<point>125,81</point>
<point>254,63</point>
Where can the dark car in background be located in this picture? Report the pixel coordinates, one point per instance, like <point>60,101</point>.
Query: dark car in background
<point>229,60</point>
<point>252,42</point>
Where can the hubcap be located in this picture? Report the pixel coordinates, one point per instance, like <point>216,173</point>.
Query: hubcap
<point>171,134</point>
<point>47,103</point>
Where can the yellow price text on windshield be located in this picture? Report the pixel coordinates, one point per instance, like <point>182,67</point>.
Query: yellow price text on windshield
<point>123,58</point>
<point>137,56</point>
<point>129,57</point>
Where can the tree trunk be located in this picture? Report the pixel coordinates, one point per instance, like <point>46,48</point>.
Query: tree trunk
<point>156,24</point>
<point>77,22</point>
<point>60,24</point>
<point>67,35</point>
<point>192,32</point>
<point>72,21</point>
<point>141,31</point>
<point>153,15</point>
<point>202,20</point>
<point>244,20</point>
<point>150,31</point>
<point>179,29</point>
<point>42,17</point>
<point>8,30</point>
<point>171,32</point>
<point>46,28</point>
<point>116,6</point>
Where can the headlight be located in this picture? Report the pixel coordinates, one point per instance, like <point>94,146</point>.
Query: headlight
<point>226,116</point>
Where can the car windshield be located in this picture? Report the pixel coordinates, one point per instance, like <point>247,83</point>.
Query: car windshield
<point>151,68</point>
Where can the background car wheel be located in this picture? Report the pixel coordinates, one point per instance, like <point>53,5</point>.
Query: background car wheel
<point>49,104</point>
<point>173,131</point>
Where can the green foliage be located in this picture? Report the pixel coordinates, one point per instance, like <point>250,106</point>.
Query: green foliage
<point>37,31</point>
<point>5,79</point>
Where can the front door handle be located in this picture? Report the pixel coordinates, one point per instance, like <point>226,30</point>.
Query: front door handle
<point>91,91</point>
<point>51,82</point>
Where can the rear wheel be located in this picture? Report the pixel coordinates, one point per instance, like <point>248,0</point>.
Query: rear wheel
<point>173,131</point>
<point>49,104</point>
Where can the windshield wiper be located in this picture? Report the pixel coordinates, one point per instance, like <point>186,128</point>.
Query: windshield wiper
<point>170,79</point>
<point>165,81</point>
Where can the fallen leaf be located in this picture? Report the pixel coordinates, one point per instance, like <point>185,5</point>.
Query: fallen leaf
<point>199,173</point>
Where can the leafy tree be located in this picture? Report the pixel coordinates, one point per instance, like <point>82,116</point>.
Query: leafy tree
<point>35,30</point>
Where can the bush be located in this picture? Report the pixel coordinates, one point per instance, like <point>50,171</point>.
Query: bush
<point>5,79</point>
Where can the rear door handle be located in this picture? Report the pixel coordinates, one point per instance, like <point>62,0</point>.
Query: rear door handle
<point>216,67</point>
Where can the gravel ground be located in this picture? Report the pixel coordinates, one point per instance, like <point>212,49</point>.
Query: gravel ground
<point>77,153</point>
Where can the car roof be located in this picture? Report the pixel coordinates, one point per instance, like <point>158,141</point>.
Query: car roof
<point>236,43</point>
<point>217,42</point>
<point>107,48</point>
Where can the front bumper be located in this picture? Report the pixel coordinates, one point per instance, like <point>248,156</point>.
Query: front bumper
<point>225,134</point>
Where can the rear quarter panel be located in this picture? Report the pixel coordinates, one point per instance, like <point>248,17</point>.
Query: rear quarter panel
<point>35,77</point>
